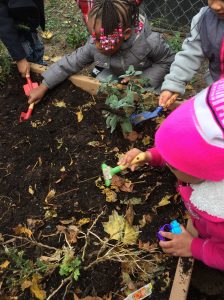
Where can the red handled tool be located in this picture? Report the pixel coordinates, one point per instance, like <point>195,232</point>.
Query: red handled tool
<point>27,88</point>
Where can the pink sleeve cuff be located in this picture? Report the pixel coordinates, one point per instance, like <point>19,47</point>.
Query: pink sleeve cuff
<point>197,248</point>
<point>157,159</point>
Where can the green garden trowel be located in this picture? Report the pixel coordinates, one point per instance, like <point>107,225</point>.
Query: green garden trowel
<point>109,172</point>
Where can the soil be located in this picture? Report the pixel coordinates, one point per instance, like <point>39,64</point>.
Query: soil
<point>53,151</point>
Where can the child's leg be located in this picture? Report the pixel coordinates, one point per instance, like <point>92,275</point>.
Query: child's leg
<point>33,46</point>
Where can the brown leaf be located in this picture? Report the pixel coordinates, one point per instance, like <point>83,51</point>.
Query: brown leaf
<point>147,246</point>
<point>72,233</point>
<point>146,140</point>
<point>61,229</point>
<point>36,289</point>
<point>50,195</point>
<point>87,298</point>
<point>69,221</point>
<point>22,230</point>
<point>127,187</point>
<point>4,265</point>
<point>129,216</point>
<point>146,219</point>
<point>26,284</point>
<point>132,136</point>
<point>32,223</point>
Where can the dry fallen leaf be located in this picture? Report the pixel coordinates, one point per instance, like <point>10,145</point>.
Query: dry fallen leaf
<point>50,214</point>
<point>146,219</point>
<point>123,185</point>
<point>146,140</point>
<point>165,201</point>
<point>36,289</point>
<point>83,221</point>
<point>46,57</point>
<point>132,136</point>
<point>119,229</point>
<point>22,230</point>
<point>111,196</point>
<point>30,190</point>
<point>4,265</point>
<point>55,58</point>
<point>26,284</point>
<point>133,201</point>
<point>58,103</point>
<point>79,115</point>
<point>50,195</point>
<point>87,298</point>
<point>66,222</point>
<point>71,234</point>
<point>129,216</point>
<point>31,223</point>
<point>94,143</point>
<point>147,246</point>
<point>47,35</point>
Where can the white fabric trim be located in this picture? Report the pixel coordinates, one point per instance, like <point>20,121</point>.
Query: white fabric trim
<point>208,197</point>
<point>205,123</point>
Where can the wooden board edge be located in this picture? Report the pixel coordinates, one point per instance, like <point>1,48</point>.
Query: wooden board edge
<point>182,279</point>
<point>86,83</point>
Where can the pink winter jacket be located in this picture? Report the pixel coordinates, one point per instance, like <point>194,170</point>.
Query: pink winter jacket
<point>209,246</point>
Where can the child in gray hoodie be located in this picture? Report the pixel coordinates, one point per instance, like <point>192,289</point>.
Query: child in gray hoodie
<point>206,42</point>
<point>120,37</point>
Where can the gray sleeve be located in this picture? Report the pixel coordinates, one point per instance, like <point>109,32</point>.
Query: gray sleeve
<point>162,58</point>
<point>68,65</point>
<point>187,61</point>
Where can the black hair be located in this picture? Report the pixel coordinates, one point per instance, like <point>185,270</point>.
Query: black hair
<point>114,13</point>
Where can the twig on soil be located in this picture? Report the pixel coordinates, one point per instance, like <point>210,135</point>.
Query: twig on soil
<point>68,279</point>
<point>64,193</point>
<point>89,179</point>
<point>66,289</point>
<point>88,233</point>
<point>136,182</point>
<point>28,240</point>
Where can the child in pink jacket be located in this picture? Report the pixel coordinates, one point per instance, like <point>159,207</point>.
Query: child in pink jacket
<point>191,143</point>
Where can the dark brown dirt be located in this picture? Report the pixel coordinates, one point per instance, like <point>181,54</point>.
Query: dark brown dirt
<point>33,157</point>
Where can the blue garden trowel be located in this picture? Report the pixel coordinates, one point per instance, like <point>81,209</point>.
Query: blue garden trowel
<point>145,115</point>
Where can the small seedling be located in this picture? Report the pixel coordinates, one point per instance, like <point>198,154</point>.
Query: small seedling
<point>70,266</point>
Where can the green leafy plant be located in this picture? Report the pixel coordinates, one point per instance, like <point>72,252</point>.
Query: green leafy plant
<point>175,42</point>
<point>5,64</point>
<point>123,98</point>
<point>77,35</point>
<point>70,266</point>
<point>20,267</point>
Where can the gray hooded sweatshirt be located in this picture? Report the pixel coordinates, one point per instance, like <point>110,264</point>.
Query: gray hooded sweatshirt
<point>147,51</point>
<point>206,42</point>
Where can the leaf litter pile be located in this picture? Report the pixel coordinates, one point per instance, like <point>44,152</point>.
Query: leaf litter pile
<point>63,234</point>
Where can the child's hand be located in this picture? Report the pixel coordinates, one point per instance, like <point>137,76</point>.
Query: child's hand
<point>23,67</point>
<point>179,244</point>
<point>127,79</point>
<point>130,155</point>
<point>37,94</point>
<point>167,98</point>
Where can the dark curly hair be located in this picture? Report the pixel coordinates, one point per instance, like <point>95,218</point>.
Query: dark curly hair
<point>114,13</point>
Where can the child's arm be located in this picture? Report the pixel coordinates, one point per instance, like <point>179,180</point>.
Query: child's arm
<point>152,157</point>
<point>162,57</point>
<point>62,69</point>
<point>187,62</point>
<point>69,65</point>
<point>209,252</point>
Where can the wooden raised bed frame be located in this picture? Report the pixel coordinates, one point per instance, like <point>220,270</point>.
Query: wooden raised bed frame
<point>181,280</point>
